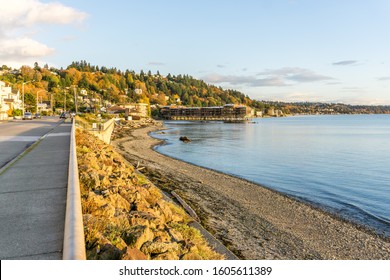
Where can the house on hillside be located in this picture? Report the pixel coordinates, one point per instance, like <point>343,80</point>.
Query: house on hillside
<point>116,110</point>
<point>9,101</point>
<point>138,109</point>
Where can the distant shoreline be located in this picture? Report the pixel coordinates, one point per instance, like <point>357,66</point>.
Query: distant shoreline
<point>252,220</point>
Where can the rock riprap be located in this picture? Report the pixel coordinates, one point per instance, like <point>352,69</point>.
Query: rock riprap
<point>125,215</point>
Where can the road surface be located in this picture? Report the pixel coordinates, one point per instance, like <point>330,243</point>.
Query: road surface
<point>33,188</point>
<point>17,135</point>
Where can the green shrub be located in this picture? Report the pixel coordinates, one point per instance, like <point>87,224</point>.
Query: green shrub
<point>17,112</point>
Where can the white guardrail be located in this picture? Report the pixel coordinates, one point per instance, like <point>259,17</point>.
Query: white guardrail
<point>74,243</point>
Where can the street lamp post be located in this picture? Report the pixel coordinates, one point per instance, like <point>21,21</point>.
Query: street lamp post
<point>37,98</point>
<point>75,98</point>
<point>23,100</point>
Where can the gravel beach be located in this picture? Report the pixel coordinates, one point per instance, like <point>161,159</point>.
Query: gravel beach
<point>252,221</point>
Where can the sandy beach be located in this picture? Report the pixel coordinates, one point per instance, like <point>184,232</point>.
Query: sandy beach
<point>252,221</point>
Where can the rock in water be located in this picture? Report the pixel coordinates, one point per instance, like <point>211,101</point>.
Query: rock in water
<point>185,139</point>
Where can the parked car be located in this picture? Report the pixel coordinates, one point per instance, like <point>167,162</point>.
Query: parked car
<point>27,116</point>
<point>37,115</point>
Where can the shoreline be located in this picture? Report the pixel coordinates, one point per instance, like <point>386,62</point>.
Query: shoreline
<point>253,221</point>
<point>316,207</point>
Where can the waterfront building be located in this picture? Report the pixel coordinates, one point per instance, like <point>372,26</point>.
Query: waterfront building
<point>226,112</point>
<point>136,110</point>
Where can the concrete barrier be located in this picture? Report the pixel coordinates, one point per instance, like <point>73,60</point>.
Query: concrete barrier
<point>74,243</point>
<point>105,132</point>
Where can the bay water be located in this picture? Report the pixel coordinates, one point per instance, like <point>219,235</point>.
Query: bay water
<point>340,163</point>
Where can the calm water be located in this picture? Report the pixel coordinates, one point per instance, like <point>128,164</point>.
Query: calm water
<point>340,163</point>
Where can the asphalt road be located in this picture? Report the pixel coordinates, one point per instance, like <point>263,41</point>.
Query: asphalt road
<point>18,135</point>
<point>33,189</point>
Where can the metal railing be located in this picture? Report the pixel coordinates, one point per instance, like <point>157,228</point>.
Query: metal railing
<point>103,125</point>
<point>74,243</point>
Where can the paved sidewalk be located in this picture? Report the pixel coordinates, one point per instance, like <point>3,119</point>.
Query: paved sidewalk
<point>33,200</point>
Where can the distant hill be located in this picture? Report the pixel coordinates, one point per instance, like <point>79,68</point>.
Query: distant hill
<point>119,87</point>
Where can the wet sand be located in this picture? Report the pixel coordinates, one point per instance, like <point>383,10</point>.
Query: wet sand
<point>252,221</point>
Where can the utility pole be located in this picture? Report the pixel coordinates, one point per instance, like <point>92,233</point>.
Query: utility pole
<point>23,100</point>
<point>75,98</point>
<point>38,98</point>
<point>51,103</point>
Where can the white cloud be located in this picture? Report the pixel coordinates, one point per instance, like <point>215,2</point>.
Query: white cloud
<point>17,20</point>
<point>302,97</point>
<point>23,47</point>
<point>354,89</point>
<point>296,74</point>
<point>22,13</point>
<point>156,63</point>
<point>270,78</point>
<point>363,100</point>
<point>243,80</point>
<point>345,62</point>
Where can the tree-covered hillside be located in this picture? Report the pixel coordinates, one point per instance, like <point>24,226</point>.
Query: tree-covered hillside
<point>117,87</point>
<point>114,84</point>
<point>110,85</point>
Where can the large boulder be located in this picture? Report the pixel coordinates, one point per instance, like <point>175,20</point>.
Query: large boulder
<point>137,236</point>
<point>109,252</point>
<point>90,179</point>
<point>98,206</point>
<point>165,210</point>
<point>119,202</point>
<point>162,236</point>
<point>150,248</point>
<point>133,254</point>
<point>103,249</point>
<point>176,235</point>
<point>145,218</point>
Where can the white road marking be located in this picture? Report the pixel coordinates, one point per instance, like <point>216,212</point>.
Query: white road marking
<point>58,134</point>
<point>19,138</point>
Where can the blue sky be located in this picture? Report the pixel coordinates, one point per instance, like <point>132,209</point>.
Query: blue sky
<point>288,50</point>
